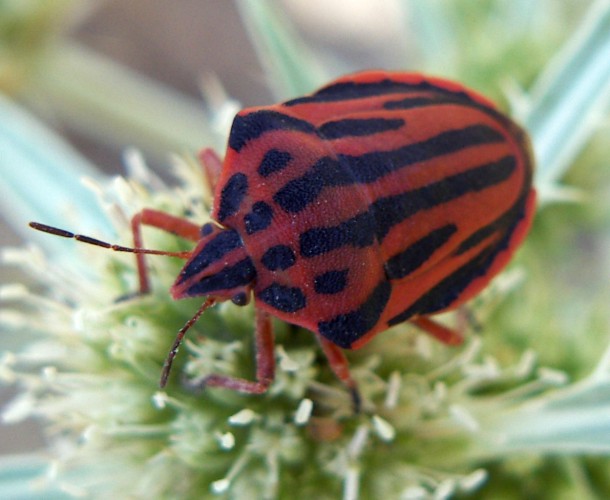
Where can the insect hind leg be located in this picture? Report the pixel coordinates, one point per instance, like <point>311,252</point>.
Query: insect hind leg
<point>340,366</point>
<point>440,332</point>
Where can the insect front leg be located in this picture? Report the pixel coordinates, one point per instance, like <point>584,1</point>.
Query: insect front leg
<point>166,222</point>
<point>265,362</point>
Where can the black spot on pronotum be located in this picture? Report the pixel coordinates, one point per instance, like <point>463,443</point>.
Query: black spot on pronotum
<point>232,195</point>
<point>283,298</point>
<point>330,282</point>
<point>344,329</point>
<point>274,161</point>
<point>259,218</point>
<point>278,258</point>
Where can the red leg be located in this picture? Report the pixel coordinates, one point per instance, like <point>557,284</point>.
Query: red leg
<point>166,222</point>
<point>467,320</point>
<point>265,362</point>
<point>438,331</point>
<point>340,366</point>
<point>212,166</point>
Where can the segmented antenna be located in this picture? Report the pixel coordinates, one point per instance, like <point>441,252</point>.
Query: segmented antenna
<point>99,243</point>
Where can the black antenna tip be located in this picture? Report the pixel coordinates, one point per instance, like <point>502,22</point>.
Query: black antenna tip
<point>51,230</point>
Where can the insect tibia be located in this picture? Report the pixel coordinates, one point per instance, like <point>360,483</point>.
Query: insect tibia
<point>99,243</point>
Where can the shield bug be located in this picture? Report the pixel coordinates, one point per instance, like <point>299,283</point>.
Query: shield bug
<point>381,198</point>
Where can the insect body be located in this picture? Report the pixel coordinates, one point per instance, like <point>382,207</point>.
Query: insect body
<point>381,198</point>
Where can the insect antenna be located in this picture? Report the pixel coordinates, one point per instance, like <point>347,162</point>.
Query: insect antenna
<point>167,365</point>
<point>93,241</point>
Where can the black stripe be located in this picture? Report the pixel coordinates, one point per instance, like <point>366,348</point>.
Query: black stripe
<point>448,290</point>
<point>407,261</point>
<point>251,126</point>
<point>443,294</point>
<point>241,274</point>
<point>392,210</point>
<point>383,214</point>
<point>359,232</point>
<point>418,102</point>
<point>344,91</point>
<point>274,161</point>
<point>370,167</point>
<point>283,298</point>
<point>344,329</point>
<point>500,224</point>
<point>295,195</point>
<point>216,249</point>
<point>232,195</point>
<point>358,127</point>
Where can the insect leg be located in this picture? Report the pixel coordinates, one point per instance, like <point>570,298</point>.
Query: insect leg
<point>265,362</point>
<point>438,331</point>
<point>340,366</point>
<point>212,166</point>
<point>166,222</point>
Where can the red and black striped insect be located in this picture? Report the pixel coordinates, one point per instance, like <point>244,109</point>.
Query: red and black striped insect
<point>379,199</point>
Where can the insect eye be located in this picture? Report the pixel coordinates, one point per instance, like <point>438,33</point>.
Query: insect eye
<point>240,299</point>
<point>206,229</point>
